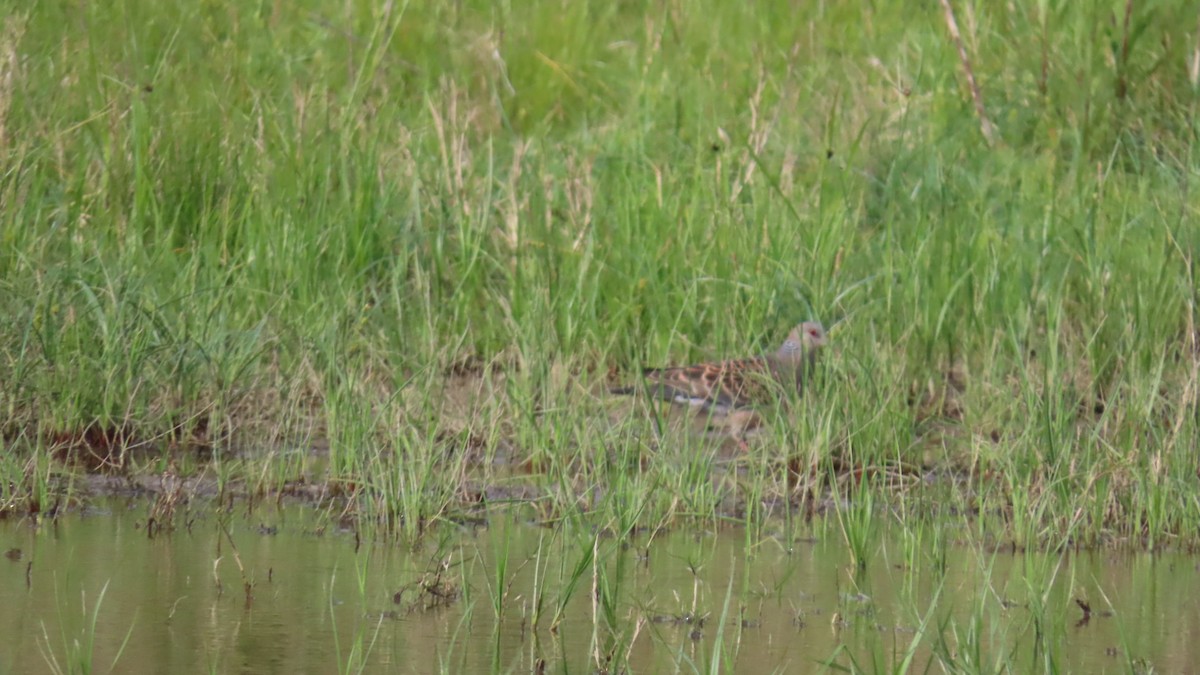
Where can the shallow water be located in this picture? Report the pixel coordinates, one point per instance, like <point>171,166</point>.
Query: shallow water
<point>318,606</point>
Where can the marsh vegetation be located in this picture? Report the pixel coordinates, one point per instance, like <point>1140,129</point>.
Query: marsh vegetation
<point>389,258</point>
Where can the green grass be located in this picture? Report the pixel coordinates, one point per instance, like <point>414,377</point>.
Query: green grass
<point>77,650</point>
<point>409,231</point>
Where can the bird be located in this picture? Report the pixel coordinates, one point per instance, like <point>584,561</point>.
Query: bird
<point>732,388</point>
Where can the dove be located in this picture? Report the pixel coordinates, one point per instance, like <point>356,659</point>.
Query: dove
<point>733,387</point>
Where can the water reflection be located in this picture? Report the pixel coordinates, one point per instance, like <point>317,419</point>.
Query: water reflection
<point>94,589</point>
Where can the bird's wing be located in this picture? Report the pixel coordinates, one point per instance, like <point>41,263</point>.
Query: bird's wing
<point>727,384</point>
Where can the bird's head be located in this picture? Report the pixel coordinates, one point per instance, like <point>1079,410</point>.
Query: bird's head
<point>803,342</point>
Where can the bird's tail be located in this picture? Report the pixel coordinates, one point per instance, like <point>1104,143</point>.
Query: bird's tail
<point>623,391</point>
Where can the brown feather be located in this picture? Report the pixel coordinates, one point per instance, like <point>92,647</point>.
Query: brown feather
<point>738,383</point>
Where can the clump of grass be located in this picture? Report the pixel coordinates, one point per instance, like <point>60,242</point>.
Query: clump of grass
<point>78,650</point>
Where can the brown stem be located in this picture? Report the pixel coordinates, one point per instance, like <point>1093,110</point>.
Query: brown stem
<point>985,124</point>
<point>1122,84</point>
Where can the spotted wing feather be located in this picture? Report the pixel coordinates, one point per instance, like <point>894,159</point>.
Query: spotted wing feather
<point>726,384</point>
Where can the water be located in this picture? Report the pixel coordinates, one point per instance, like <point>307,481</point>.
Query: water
<point>767,603</point>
